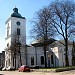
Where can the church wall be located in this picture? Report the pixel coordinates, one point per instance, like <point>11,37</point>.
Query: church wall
<point>54,52</point>
<point>70,54</point>
<point>32,52</point>
<point>61,54</point>
<point>8,27</point>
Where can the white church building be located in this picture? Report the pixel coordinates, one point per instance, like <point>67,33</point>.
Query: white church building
<point>29,55</point>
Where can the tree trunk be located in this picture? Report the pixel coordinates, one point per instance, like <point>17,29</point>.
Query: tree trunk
<point>66,46</point>
<point>15,61</point>
<point>66,54</point>
<point>20,56</point>
<point>19,51</point>
<point>45,56</point>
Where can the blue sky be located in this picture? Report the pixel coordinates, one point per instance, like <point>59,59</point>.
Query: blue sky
<point>27,8</point>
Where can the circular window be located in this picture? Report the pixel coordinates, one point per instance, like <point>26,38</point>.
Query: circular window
<point>18,23</point>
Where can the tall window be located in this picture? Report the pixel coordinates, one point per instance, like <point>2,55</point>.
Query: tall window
<point>52,62</point>
<point>13,61</point>
<point>7,32</point>
<point>32,60</point>
<point>18,31</point>
<point>42,60</point>
<point>8,26</point>
<point>9,62</point>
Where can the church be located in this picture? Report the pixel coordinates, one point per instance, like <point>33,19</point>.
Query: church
<point>17,53</point>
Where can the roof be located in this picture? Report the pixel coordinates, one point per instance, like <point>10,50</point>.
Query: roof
<point>16,14</point>
<point>60,43</point>
<point>42,43</point>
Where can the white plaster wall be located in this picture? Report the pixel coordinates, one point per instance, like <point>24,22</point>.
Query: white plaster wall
<point>23,58</point>
<point>55,56</point>
<point>31,52</point>
<point>40,52</point>
<point>62,54</point>
<point>70,54</point>
<point>9,22</point>
<point>7,41</point>
<point>12,30</point>
<point>22,27</point>
<point>22,38</point>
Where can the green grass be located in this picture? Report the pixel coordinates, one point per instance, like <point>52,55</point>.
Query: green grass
<point>59,69</point>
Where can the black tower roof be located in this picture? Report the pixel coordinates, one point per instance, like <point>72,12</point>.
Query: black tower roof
<point>16,14</point>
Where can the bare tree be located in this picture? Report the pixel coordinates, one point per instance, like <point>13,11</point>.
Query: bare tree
<point>62,18</point>
<point>42,28</point>
<point>58,17</point>
<point>15,47</point>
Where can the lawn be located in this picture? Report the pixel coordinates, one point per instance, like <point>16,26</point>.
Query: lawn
<point>58,69</point>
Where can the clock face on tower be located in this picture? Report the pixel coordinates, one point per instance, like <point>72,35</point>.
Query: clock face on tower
<point>18,23</point>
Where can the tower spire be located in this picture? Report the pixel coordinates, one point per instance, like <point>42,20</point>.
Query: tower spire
<point>15,6</point>
<point>15,10</point>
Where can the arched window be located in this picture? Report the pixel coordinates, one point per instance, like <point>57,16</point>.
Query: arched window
<point>42,60</point>
<point>32,60</point>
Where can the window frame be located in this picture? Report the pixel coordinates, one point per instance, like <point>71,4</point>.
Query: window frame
<point>18,31</point>
<point>42,60</point>
<point>7,32</point>
<point>52,59</point>
<point>32,60</point>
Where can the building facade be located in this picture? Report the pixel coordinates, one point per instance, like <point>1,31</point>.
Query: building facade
<point>55,55</point>
<point>17,53</point>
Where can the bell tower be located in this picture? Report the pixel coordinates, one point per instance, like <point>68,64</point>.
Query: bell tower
<point>15,40</point>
